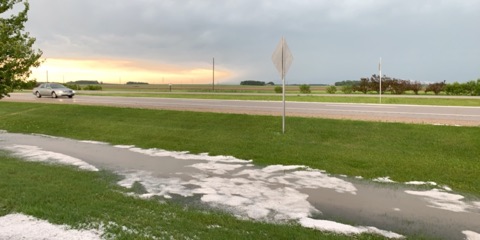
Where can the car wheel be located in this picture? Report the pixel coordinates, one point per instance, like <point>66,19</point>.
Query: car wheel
<point>70,96</point>
<point>54,95</point>
<point>38,95</point>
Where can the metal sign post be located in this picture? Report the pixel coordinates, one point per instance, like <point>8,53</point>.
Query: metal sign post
<point>282,59</point>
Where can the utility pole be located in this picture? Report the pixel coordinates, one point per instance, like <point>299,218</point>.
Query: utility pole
<point>213,75</point>
<point>380,73</point>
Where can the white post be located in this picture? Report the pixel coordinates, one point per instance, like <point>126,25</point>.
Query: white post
<point>283,81</point>
<point>380,73</point>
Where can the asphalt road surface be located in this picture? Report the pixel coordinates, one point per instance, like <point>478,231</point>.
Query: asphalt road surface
<point>449,115</point>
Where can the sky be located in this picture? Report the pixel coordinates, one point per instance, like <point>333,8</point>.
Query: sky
<point>175,41</point>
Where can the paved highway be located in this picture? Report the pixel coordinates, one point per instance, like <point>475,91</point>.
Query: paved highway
<point>465,116</point>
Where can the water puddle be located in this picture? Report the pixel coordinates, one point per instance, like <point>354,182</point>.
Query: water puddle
<point>275,193</point>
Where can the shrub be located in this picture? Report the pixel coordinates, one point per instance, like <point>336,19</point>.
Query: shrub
<point>278,89</point>
<point>347,89</point>
<point>435,87</point>
<point>477,88</point>
<point>93,87</point>
<point>331,89</point>
<point>363,86</point>
<point>73,86</point>
<point>469,88</point>
<point>304,88</point>
<point>415,87</point>
<point>26,85</point>
<point>399,86</point>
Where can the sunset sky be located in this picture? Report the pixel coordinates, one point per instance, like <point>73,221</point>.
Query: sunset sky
<point>122,71</point>
<point>168,41</point>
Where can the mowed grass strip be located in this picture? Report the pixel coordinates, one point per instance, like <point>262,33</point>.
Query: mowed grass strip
<point>445,154</point>
<point>355,98</point>
<point>64,195</point>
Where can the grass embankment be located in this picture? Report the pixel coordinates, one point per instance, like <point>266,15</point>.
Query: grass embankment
<point>64,195</point>
<point>405,152</point>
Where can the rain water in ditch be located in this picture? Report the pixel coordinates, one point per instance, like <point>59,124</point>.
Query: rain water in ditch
<point>277,193</point>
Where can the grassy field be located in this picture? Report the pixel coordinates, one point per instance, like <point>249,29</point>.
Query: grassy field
<point>405,152</point>
<point>446,155</point>
<point>473,102</point>
<point>204,88</point>
<point>266,93</point>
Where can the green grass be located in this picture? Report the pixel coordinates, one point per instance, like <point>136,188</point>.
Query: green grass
<point>355,98</point>
<point>203,88</point>
<point>63,195</point>
<point>405,152</point>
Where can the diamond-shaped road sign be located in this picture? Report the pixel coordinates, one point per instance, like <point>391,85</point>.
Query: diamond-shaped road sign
<point>282,57</point>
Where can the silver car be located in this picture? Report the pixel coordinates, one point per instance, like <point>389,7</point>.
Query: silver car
<point>54,90</point>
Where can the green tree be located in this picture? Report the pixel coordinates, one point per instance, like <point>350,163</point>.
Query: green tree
<point>347,89</point>
<point>331,89</point>
<point>16,53</point>
<point>304,88</point>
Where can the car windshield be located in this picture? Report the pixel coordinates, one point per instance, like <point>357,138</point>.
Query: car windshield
<point>56,85</point>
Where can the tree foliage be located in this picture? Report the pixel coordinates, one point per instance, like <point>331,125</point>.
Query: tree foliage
<point>347,83</point>
<point>470,88</point>
<point>17,55</point>
<point>436,87</point>
<point>137,83</point>
<point>85,82</point>
<point>304,88</point>
<point>252,83</point>
<point>347,89</point>
<point>331,89</point>
<point>394,85</point>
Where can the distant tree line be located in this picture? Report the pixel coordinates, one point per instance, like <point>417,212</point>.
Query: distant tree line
<point>252,83</point>
<point>88,87</point>
<point>19,85</point>
<point>84,82</point>
<point>347,83</point>
<point>30,84</point>
<point>255,83</point>
<point>136,83</point>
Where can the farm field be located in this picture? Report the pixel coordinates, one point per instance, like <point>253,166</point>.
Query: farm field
<point>266,93</point>
<point>202,88</point>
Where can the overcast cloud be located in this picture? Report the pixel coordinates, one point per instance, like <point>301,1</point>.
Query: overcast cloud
<point>425,40</point>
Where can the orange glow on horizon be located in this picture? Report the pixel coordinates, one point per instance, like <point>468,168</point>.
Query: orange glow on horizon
<point>122,71</point>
